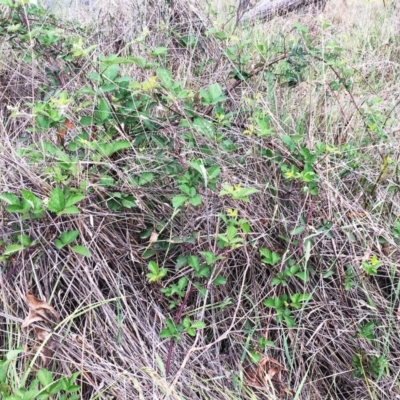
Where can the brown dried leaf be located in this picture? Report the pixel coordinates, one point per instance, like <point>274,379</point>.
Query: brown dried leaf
<point>272,372</point>
<point>251,378</point>
<point>35,304</point>
<point>32,317</point>
<point>41,334</point>
<point>266,365</point>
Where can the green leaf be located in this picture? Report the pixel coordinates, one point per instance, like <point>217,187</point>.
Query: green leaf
<point>25,240</point>
<point>165,334</point>
<point>128,202</point>
<point>145,177</point>
<point>13,248</point>
<point>199,167</point>
<point>34,201</point>
<point>68,237</point>
<point>69,210</point>
<point>194,262</point>
<point>23,207</point>
<point>159,51</point>
<point>86,121</point>
<point>120,145</point>
<point>181,262</point>
<point>202,290</point>
<point>231,232</point>
<point>243,193</point>
<point>198,325</point>
<point>102,111</point>
<point>73,199</point>
<point>10,198</point>
<point>153,267</point>
<point>204,127</point>
<point>109,71</point>
<point>298,230</point>
<point>139,61</point>
<point>204,272</point>
<point>179,200</point>
<point>216,93</point>
<point>59,244</point>
<point>165,77</point>
<point>210,257</point>
<point>45,377</point>
<point>108,149</point>
<point>219,280</point>
<point>270,302</point>
<point>289,321</point>
<point>56,201</point>
<point>195,200</point>
<point>186,322</point>
<point>82,250</point>
<point>270,257</point>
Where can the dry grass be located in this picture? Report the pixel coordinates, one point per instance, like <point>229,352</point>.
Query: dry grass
<point>112,316</point>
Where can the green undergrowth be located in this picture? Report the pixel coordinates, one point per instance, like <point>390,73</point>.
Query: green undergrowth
<point>243,186</point>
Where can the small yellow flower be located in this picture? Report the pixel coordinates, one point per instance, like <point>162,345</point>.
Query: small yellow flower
<point>150,84</point>
<point>249,131</point>
<point>230,212</point>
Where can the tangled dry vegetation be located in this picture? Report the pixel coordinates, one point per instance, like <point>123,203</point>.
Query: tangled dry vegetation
<point>101,316</point>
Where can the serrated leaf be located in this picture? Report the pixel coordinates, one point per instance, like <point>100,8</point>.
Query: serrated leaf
<point>17,208</point>
<point>190,331</point>
<point>204,272</point>
<point>145,177</point>
<point>128,202</point>
<point>68,237</point>
<point>165,334</point>
<point>10,198</point>
<point>179,200</point>
<point>34,201</point>
<point>202,290</point>
<point>165,77</point>
<point>153,267</point>
<point>195,200</point>
<point>181,262</point>
<point>73,199</point>
<point>82,250</point>
<point>231,232</point>
<point>289,321</point>
<point>243,193</point>
<point>186,322</point>
<point>25,240</point>
<point>13,248</point>
<point>57,201</point>
<point>139,61</point>
<point>198,325</point>
<point>103,110</point>
<point>298,230</point>
<point>45,377</point>
<point>204,127</point>
<point>71,210</point>
<point>219,280</point>
<point>276,281</point>
<point>209,257</point>
<point>109,71</point>
<point>194,262</point>
<point>269,302</point>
